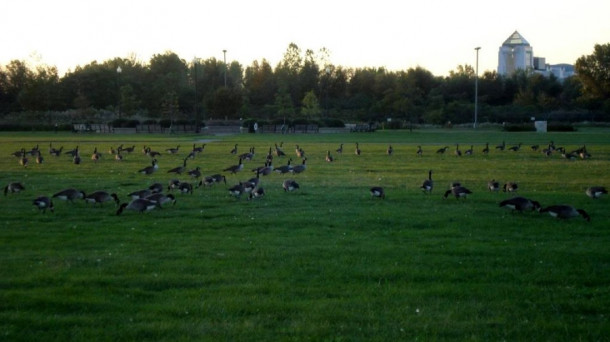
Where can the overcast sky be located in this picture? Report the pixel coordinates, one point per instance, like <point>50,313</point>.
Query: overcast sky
<point>437,35</point>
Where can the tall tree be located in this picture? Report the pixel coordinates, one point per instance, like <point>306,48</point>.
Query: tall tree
<point>594,72</point>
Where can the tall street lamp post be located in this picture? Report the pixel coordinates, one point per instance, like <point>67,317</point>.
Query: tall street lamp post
<point>196,103</point>
<point>476,88</point>
<point>224,52</point>
<point>118,106</point>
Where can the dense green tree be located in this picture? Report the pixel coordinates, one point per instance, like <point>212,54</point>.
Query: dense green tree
<point>594,72</point>
<point>310,106</point>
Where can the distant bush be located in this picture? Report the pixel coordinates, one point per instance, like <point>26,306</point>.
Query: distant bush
<point>333,123</point>
<point>555,127</point>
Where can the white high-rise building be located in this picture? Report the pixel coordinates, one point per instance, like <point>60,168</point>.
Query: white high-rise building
<point>515,54</point>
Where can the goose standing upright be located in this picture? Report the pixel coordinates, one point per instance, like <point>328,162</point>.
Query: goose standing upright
<point>357,151</point>
<point>235,168</point>
<point>428,184</point>
<point>419,152</point>
<point>486,149</point>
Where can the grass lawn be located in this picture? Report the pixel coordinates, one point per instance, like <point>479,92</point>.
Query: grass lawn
<point>326,262</point>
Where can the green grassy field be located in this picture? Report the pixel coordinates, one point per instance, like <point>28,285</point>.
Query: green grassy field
<point>326,262</point>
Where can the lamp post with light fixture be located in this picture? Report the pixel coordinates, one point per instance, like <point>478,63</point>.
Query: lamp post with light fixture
<point>476,88</point>
<point>195,104</point>
<point>118,102</point>
<point>224,52</point>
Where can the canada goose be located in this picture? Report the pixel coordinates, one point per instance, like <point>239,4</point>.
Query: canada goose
<point>357,151</point>
<point>279,152</point>
<point>179,169</point>
<point>39,158</point>
<point>128,149</point>
<point>43,203</point>
<point>569,156</point>
<point>73,152</point>
<point>95,156</point>
<point>156,188</point>
<point>101,197</point>
<point>140,194</point>
<point>236,190</point>
<point>493,185</point>
<point>151,153</point>
<point>520,204</point>
<point>428,184</point>
<point>19,154</point>
<point>458,153</point>
<point>56,152</point>
<point>248,155</point>
<point>442,150</point>
<point>535,147</point>
<point>198,149</point>
<point>300,152</point>
<point>565,212</point>
<point>76,159</point>
<point>596,191</point>
<point>257,193</point>
<point>265,169</point>
<point>235,168</point>
<point>340,149</point>
<point>149,169</point>
<point>458,192</point>
<point>173,184</point>
<point>328,157</point>
<point>248,186</point>
<point>290,185</point>
<point>390,150</point>
<point>191,155</point>
<point>284,168</point>
<point>118,156</point>
<point>377,191</point>
<point>111,151</point>
<point>419,152</point>
<point>161,199</point>
<point>216,178</point>
<point>502,146</point>
<point>185,188</point>
<point>140,205</point>
<point>486,149</point>
<point>173,150</point>
<point>69,195</point>
<point>299,168</point>
<point>23,161</point>
<point>510,187</point>
<point>470,151</point>
<point>195,173</point>
<point>234,150</point>
<point>14,187</point>
<point>515,148</point>
<point>34,150</point>
<point>255,180</point>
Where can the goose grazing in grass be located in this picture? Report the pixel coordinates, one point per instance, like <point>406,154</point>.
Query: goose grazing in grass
<point>419,151</point>
<point>235,168</point>
<point>69,195</point>
<point>161,199</point>
<point>502,146</point>
<point>290,185</point>
<point>565,212</point>
<point>173,150</point>
<point>520,204</point>
<point>101,197</point>
<point>255,180</point>
<point>179,169</point>
<point>535,147</point>
<point>284,168</point>
<point>13,188</point>
<point>217,178</point>
<point>596,191</point>
<point>299,168</point>
<point>515,148</point>
<point>428,184</point>
<point>140,205</point>
<point>195,173</point>
<point>237,190</point>
<point>149,170</point>
<point>43,203</point>
<point>127,149</point>
<point>257,193</point>
<point>185,188</point>
<point>493,185</point>
<point>442,150</point>
<point>378,192</point>
<point>340,149</point>
<point>156,188</point>
<point>458,192</point>
<point>328,157</point>
<point>510,187</point>
<point>140,193</point>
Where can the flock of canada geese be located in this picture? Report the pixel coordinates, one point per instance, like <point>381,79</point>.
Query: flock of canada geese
<point>154,197</point>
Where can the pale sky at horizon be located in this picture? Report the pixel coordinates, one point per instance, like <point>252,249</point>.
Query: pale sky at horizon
<point>437,35</point>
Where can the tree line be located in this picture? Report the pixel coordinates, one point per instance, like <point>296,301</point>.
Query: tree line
<point>302,86</point>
